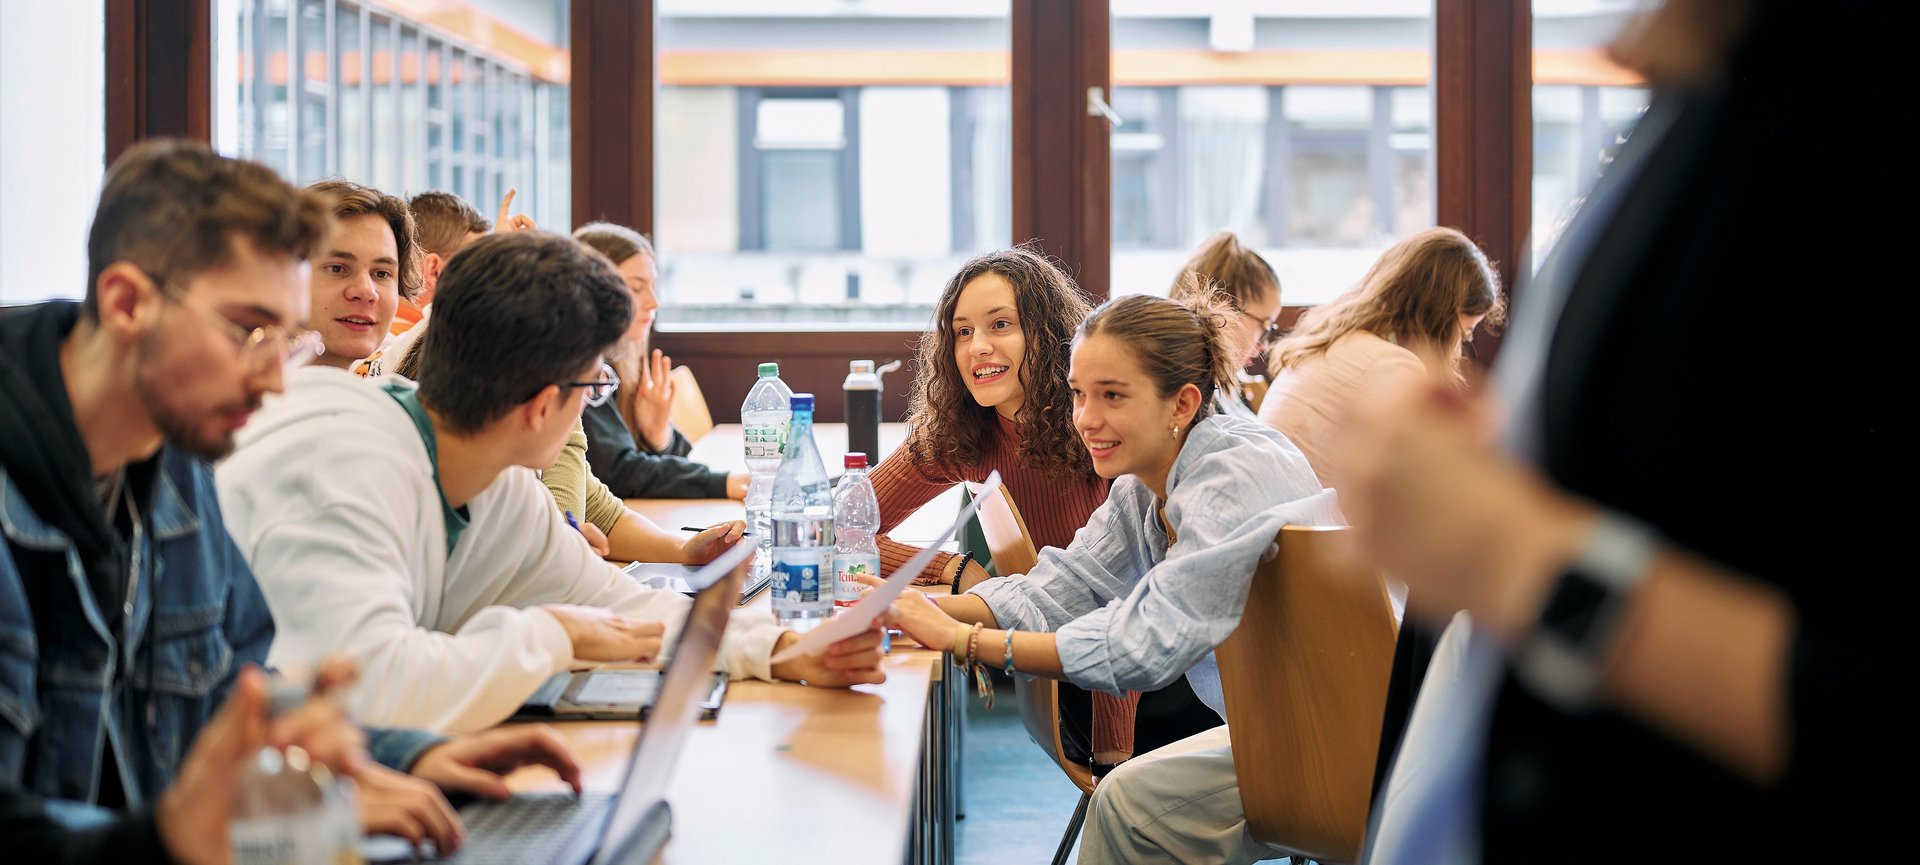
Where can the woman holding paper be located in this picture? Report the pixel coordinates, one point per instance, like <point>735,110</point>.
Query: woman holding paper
<point>1157,578</point>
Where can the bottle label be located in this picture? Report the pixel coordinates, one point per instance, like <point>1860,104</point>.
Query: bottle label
<point>291,840</point>
<point>846,567</point>
<point>797,583</point>
<point>765,441</point>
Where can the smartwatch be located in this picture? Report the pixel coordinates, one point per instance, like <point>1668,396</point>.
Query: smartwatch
<point>1566,651</point>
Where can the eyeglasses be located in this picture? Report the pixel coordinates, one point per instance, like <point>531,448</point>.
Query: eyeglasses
<point>259,348</point>
<point>1270,331</point>
<point>599,390</point>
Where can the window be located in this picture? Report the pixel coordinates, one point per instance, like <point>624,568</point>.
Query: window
<point>820,166</point>
<point>466,98</point>
<point>52,113</point>
<point>1305,132</point>
<point>1584,107</point>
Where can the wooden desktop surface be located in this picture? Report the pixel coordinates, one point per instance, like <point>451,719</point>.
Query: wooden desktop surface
<point>787,773</point>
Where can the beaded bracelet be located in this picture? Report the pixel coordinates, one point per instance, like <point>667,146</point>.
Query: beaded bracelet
<point>982,683</point>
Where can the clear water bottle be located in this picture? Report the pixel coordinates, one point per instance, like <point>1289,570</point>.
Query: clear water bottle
<point>289,810</point>
<point>856,532</point>
<point>765,415</point>
<point>802,527</point>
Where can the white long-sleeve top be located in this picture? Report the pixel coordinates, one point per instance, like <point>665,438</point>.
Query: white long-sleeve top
<point>333,499</point>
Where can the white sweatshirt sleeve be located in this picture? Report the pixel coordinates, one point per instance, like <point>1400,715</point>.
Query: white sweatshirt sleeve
<point>569,573</point>
<point>340,582</point>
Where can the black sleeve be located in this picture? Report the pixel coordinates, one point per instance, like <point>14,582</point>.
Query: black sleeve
<point>33,836</point>
<point>677,445</point>
<point>632,473</point>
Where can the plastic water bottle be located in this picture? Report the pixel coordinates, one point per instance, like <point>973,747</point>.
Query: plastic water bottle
<point>289,810</point>
<point>802,527</point>
<point>765,415</point>
<point>856,529</point>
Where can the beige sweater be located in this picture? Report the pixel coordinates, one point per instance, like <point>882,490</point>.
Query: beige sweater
<point>576,491</point>
<point>1308,403</point>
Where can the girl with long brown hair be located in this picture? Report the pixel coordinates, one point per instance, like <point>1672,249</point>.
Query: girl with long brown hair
<point>631,443</point>
<point>1414,312</point>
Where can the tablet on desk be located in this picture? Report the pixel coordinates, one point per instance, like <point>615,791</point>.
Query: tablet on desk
<point>608,695</point>
<point>674,578</point>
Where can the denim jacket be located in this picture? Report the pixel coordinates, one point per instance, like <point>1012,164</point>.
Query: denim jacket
<point>70,689</point>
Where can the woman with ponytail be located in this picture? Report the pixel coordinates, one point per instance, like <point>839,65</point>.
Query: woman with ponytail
<point>1156,580</point>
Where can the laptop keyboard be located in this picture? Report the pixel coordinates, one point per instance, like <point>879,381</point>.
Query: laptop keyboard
<point>529,828</point>
<point>618,688</point>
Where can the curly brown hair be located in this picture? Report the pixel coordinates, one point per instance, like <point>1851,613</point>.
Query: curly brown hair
<point>945,427</point>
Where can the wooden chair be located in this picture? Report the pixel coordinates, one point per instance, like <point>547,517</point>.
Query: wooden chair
<point>1255,387</point>
<point>689,412</point>
<point>1014,552</point>
<point>1305,677</point>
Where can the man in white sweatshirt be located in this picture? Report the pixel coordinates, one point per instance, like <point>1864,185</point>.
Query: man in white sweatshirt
<point>405,527</point>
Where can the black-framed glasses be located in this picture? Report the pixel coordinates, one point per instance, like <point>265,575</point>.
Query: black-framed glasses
<point>1270,331</point>
<point>599,390</point>
<point>259,347</point>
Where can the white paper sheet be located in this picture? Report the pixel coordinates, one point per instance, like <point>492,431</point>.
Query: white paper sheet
<point>856,619</point>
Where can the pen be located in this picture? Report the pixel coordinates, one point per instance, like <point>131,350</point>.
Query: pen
<point>571,521</point>
<point>697,530</point>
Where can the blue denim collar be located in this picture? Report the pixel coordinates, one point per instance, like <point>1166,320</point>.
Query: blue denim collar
<point>168,516</point>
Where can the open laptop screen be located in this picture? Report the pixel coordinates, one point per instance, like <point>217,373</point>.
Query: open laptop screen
<point>686,679</point>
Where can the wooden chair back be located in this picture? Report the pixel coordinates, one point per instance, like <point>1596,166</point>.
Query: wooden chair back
<point>689,411</point>
<point>1305,679</point>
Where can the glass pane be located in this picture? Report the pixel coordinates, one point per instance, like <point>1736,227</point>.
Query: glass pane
<point>404,96</point>
<point>1584,107</point>
<point>52,145</point>
<point>1306,133</point>
<point>827,164</point>
<point>802,207</point>
<point>385,128</point>
<point>351,140</point>
<point>311,129</point>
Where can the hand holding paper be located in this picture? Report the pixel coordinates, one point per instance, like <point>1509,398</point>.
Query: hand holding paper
<point>858,618</point>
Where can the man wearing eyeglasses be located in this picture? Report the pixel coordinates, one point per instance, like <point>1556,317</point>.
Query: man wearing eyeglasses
<point>126,614</point>
<point>403,526</point>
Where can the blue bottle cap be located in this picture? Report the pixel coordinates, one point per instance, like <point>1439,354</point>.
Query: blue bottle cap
<point>803,402</point>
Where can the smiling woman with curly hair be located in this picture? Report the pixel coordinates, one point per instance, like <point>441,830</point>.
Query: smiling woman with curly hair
<point>992,395</point>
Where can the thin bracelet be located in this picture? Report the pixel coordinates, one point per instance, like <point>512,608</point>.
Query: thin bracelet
<point>965,559</point>
<point>982,683</point>
<point>1006,660</point>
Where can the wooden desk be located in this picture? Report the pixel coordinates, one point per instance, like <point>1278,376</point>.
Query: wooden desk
<point>795,774</point>
<point>875,770</point>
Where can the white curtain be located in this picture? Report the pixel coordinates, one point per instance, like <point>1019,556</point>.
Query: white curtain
<point>1222,161</point>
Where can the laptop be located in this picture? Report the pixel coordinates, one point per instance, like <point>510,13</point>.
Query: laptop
<point>629,827</point>
<point>679,578</point>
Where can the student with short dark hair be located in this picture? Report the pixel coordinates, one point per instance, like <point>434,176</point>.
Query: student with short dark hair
<point>401,525</point>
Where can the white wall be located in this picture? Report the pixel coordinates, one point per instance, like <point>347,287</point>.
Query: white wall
<point>52,144</point>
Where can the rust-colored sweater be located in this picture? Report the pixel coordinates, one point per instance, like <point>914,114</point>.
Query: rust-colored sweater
<point>1053,509</point>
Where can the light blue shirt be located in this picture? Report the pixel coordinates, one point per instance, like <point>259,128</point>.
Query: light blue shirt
<point>1131,613</point>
